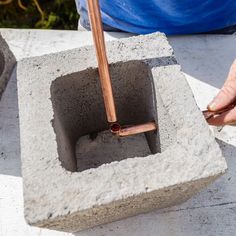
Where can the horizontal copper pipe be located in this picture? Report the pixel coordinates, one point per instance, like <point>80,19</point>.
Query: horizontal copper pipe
<point>136,129</point>
<point>104,75</point>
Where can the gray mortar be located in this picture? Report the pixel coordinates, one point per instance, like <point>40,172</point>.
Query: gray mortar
<point>60,103</point>
<point>7,62</point>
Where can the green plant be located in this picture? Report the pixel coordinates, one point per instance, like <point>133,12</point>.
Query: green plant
<point>44,14</point>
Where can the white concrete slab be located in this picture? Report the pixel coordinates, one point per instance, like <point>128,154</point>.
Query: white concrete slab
<point>205,59</point>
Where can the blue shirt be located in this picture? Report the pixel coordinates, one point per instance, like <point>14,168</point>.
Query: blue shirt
<point>168,16</point>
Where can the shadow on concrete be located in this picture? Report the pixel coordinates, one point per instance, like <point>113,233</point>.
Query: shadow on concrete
<point>7,63</point>
<point>10,163</point>
<point>228,151</point>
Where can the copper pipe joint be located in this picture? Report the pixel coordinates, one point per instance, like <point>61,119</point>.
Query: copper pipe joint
<point>115,128</point>
<point>136,129</point>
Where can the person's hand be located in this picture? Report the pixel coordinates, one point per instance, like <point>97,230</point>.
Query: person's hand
<point>225,97</point>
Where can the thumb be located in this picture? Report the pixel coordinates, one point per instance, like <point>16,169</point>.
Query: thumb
<point>228,92</point>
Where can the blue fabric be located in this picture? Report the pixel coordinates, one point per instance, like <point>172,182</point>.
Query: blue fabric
<point>168,16</point>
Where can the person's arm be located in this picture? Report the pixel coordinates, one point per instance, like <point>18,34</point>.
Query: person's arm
<point>225,97</point>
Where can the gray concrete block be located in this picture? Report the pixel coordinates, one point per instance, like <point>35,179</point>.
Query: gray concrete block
<point>75,174</point>
<point>7,62</point>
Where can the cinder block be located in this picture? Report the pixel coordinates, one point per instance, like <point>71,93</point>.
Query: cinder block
<point>75,174</point>
<point>7,62</point>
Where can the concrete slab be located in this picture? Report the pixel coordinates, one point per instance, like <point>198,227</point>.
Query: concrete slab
<point>7,63</point>
<point>51,87</point>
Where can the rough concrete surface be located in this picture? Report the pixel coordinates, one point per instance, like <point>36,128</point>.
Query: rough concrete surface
<point>60,101</point>
<point>98,148</point>
<point>7,62</point>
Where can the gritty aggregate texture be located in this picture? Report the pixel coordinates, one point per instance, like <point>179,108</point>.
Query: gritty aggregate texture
<point>60,103</point>
<point>106,147</point>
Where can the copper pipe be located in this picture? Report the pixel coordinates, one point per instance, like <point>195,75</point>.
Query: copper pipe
<point>209,114</point>
<point>98,37</point>
<point>136,129</point>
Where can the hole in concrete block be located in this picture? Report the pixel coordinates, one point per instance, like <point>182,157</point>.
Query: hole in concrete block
<point>106,148</point>
<point>2,63</point>
<point>80,124</point>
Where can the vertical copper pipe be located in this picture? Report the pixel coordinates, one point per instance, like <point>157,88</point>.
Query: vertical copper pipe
<point>98,37</point>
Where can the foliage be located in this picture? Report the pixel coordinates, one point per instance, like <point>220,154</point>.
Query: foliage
<point>44,14</point>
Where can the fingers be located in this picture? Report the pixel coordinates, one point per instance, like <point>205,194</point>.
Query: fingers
<point>224,98</point>
<point>228,92</point>
<point>226,118</point>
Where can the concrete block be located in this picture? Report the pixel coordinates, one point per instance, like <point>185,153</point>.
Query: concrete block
<point>76,174</point>
<point>7,62</point>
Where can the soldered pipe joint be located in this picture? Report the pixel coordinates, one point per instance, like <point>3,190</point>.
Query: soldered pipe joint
<point>132,130</point>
